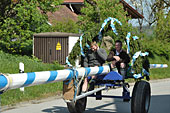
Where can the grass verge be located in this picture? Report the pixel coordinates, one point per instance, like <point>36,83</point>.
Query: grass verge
<point>10,64</point>
<point>159,73</point>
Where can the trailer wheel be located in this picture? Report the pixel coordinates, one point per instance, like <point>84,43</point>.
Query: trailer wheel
<point>78,107</point>
<point>141,97</point>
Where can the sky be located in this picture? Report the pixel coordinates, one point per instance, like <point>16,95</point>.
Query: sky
<point>135,21</point>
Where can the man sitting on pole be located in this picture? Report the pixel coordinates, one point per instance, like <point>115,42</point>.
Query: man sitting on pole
<point>119,58</point>
<point>95,57</point>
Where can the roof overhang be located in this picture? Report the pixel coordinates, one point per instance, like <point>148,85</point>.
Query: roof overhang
<point>55,34</point>
<point>131,11</point>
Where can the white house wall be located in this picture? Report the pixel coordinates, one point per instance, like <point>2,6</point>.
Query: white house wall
<point>72,42</point>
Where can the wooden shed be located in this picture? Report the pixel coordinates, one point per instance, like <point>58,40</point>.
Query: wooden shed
<point>53,46</point>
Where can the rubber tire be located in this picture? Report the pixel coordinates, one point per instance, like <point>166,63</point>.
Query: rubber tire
<point>141,96</point>
<point>78,107</point>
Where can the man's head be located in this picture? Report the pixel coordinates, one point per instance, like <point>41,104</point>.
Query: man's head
<point>118,45</point>
<point>93,46</point>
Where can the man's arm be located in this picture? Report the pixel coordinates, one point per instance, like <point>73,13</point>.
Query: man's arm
<point>85,63</point>
<point>110,56</point>
<point>102,54</point>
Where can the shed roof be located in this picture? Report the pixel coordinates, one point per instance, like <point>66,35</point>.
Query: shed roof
<point>73,1</point>
<point>55,34</point>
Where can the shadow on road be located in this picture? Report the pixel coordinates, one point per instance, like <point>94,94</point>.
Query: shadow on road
<point>159,104</point>
<point>56,109</point>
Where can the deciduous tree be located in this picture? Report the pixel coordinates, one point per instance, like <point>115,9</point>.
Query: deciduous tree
<point>20,19</point>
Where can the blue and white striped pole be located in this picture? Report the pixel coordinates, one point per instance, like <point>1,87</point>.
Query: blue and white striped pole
<point>13,81</point>
<point>158,66</point>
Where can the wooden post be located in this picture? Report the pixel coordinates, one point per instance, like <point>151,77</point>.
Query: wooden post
<point>21,70</point>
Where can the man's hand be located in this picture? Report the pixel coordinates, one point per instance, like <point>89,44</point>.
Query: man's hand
<point>95,48</point>
<point>117,58</point>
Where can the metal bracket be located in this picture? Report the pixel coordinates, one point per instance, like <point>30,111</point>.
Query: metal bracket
<point>126,92</point>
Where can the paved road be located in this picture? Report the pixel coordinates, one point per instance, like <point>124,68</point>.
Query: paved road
<point>160,102</point>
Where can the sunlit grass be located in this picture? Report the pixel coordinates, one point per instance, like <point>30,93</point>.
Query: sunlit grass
<point>160,73</point>
<point>10,64</point>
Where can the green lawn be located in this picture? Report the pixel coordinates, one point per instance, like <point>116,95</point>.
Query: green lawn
<point>10,64</point>
<point>159,73</point>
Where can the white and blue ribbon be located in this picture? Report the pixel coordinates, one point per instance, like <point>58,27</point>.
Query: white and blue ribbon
<point>135,56</point>
<point>144,54</point>
<point>135,37</point>
<point>137,76</point>
<point>128,42</point>
<point>145,72</point>
<point>117,21</point>
<point>112,26</point>
<point>81,47</point>
<point>67,62</point>
<point>114,29</point>
<point>87,45</point>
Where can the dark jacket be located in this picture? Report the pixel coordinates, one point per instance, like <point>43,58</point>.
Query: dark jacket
<point>95,58</point>
<point>124,57</point>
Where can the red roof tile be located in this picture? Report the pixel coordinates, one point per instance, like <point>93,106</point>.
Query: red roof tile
<point>62,14</point>
<point>131,11</point>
